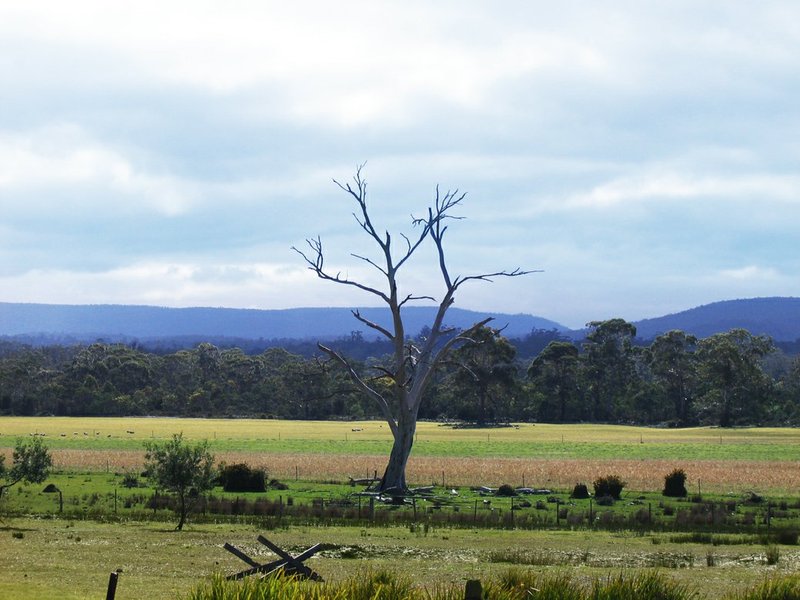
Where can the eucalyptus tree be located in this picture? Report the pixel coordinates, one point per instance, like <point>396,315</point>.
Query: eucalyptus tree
<point>610,367</point>
<point>485,375</point>
<point>731,369</point>
<point>555,372</point>
<point>412,365</point>
<point>673,361</point>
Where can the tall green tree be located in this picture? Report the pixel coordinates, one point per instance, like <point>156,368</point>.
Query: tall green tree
<point>180,467</point>
<point>555,374</point>
<point>736,386</point>
<point>673,361</point>
<point>484,379</point>
<point>31,462</point>
<point>609,367</point>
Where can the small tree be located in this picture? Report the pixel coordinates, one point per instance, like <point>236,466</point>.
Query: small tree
<point>31,463</point>
<point>181,468</point>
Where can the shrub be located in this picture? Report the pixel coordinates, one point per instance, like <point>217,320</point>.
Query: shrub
<point>506,490</point>
<point>610,485</point>
<point>675,484</point>
<point>241,478</point>
<point>778,588</point>
<point>773,555</point>
<point>787,537</point>
<point>580,491</point>
<point>130,480</point>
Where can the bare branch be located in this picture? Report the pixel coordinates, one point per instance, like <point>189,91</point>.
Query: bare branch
<point>386,372</point>
<point>366,388</point>
<point>316,263</point>
<point>490,276</point>
<point>461,337</point>
<point>369,261</point>
<point>411,298</point>
<point>373,325</point>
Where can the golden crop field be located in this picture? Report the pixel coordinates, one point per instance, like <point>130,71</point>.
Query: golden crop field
<point>239,429</point>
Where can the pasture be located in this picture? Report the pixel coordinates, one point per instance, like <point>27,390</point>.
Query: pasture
<point>106,526</point>
<point>719,460</point>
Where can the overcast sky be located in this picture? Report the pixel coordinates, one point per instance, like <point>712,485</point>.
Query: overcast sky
<point>644,155</point>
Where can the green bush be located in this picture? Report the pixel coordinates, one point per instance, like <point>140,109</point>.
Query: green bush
<point>241,478</point>
<point>506,491</point>
<point>773,555</point>
<point>610,485</point>
<point>675,484</point>
<point>130,480</point>
<point>580,491</point>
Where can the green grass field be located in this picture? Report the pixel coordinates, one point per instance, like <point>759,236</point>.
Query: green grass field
<point>106,526</point>
<point>57,559</point>
<point>433,439</point>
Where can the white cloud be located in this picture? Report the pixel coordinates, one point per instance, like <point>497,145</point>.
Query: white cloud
<point>150,150</point>
<point>62,157</point>
<point>658,184</point>
<point>751,273</point>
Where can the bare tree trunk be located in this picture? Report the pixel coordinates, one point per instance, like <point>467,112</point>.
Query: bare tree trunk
<point>394,477</point>
<point>182,507</point>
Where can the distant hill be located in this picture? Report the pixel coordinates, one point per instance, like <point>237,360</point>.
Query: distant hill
<point>778,318</point>
<point>52,323</point>
<point>124,323</point>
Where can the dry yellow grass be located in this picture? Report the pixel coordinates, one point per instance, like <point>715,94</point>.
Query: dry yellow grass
<point>645,475</point>
<point>143,428</point>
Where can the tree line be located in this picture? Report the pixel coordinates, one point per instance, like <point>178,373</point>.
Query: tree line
<point>727,379</point>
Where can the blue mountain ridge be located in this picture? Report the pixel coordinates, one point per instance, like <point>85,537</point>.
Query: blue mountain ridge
<point>776,317</point>
<point>149,322</point>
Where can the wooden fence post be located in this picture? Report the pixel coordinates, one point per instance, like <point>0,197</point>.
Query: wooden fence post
<point>473,590</point>
<point>112,585</point>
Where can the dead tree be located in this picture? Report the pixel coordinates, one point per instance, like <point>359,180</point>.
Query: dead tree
<point>412,365</point>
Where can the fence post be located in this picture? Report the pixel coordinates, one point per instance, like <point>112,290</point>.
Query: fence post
<point>112,586</point>
<point>372,508</point>
<point>473,590</point>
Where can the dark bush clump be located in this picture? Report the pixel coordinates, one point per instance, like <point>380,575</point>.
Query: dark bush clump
<point>241,478</point>
<point>610,485</point>
<point>580,491</point>
<point>675,484</point>
<point>506,490</point>
<point>788,537</point>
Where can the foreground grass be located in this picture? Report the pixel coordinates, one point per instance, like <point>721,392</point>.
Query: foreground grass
<point>55,559</point>
<point>515,584</point>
